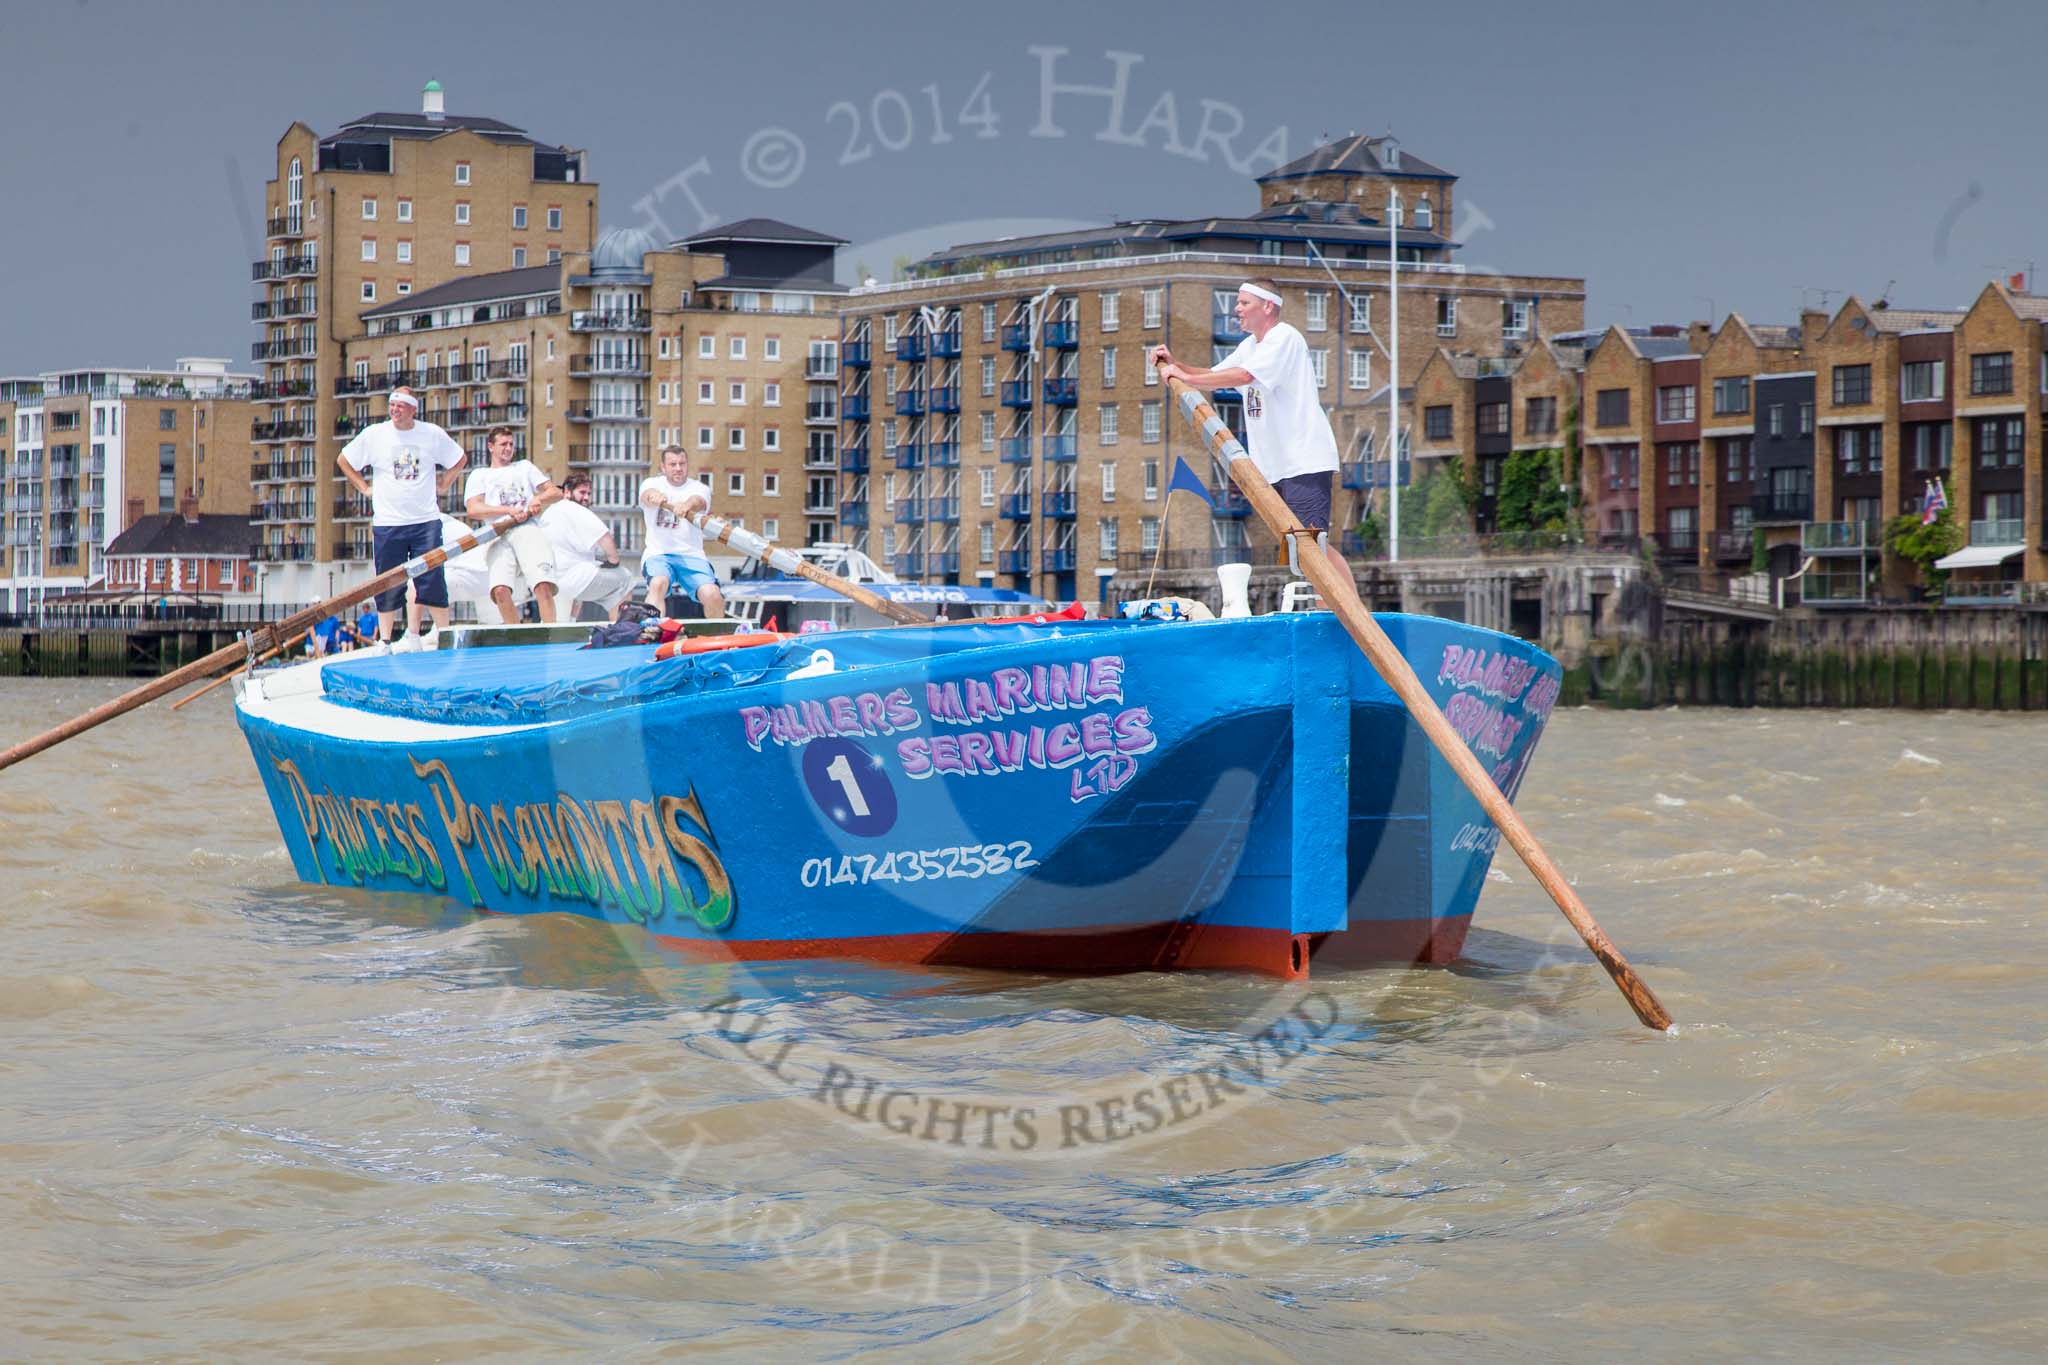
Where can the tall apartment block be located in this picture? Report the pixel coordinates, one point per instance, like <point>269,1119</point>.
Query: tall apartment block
<point>1000,422</point>
<point>88,453</point>
<point>388,205</point>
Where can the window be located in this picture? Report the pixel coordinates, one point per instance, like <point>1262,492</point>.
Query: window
<point>1611,408</point>
<point>771,394</point>
<point>771,487</point>
<point>1929,444</point>
<point>1852,385</point>
<point>1446,316</point>
<point>1622,471</point>
<point>1154,300</point>
<point>369,291</point>
<point>1149,415</point>
<point>1493,419</point>
<point>369,210</point>
<point>736,392</point>
<point>705,438</point>
<point>771,348</point>
<point>771,527</point>
<point>707,347</point>
<point>988,376</point>
<point>1109,311</point>
<point>735,483</point>
<point>554,220</point>
<point>988,322</point>
<point>519,216</point>
<point>462,253</point>
<point>519,258</point>
<point>1318,301</point>
<point>1991,373</point>
<point>988,431</point>
<point>771,438</point>
<point>548,393</point>
<point>1806,419</point>
<point>1319,361</point>
<point>166,419</point>
<point>1109,480</point>
<point>736,348</point>
<point>1675,403</point>
<point>1109,424</point>
<point>554,255</point>
<point>1539,416</point>
<point>1681,463</point>
<point>1148,534</point>
<point>704,393</point>
<point>1860,450</point>
<point>462,213</point>
<point>987,541</point>
<point>735,438</point>
<point>369,248</point>
<point>1109,365</point>
<point>1738,459</point>
<point>1514,318</point>
<point>1922,380</point>
<point>405,210</point>
<point>462,172</point>
<point>1424,214</point>
<point>1682,528</point>
<point>1997,441</point>
<point>1360,367</point>
<point>1436,423</point>
<point>1108,530</point>
<point>1360,309</point>
<point>405,253</point>
<point>1731,395</point>
<point>988,488</point>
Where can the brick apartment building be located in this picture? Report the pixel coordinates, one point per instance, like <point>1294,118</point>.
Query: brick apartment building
<point>88,453</point>
<point>1001,424</point>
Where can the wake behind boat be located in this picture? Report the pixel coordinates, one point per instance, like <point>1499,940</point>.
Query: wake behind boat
<point>1076,795</point>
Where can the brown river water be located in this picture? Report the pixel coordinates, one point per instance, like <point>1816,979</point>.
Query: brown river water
<point>244,1118</point>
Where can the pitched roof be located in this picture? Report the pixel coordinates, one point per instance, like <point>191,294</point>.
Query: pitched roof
<point>1916,319</point>
<point>1357,155</point>
<point>168,533</point>
<point>762,230</point>
<point>498,284</point>
<point>420,125</point>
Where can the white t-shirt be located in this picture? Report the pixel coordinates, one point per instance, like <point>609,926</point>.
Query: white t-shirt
<point>402,467</point>
<point>1283,414</point>
<point>667,533</point>
<point>574,529</point>
<point>511,485</point>
<point>452,531</point>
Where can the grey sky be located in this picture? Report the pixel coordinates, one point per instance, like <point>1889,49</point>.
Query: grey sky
<point>1671,155</point>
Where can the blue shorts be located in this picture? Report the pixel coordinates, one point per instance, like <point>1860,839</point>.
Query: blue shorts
<point>685,575</point>
<point>1308,497</point>
<point>393,546</point>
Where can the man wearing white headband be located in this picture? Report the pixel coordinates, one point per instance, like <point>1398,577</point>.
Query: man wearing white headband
<point>1285,425</point>
<point>410,464</point>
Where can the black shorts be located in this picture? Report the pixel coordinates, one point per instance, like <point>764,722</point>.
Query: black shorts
<point>1308,497</point>
<point>393,546</point>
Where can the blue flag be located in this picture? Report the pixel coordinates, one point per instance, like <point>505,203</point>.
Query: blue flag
<point>1186,480</point>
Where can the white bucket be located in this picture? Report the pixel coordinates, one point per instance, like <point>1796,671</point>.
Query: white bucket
<point>1236,581</point>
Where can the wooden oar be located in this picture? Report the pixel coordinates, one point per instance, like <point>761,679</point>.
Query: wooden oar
<point>1340,594</point>
<point>276,634</point>
<point>233,673</point>
<point>789,561</point>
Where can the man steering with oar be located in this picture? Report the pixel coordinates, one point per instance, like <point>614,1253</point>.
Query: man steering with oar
<point>1287,429</point>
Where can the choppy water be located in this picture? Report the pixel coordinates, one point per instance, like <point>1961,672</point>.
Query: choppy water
<point>244,1118</point>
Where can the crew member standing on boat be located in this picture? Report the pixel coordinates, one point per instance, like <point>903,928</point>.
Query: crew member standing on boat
<point>410,464</point>
<point>515,488</point>
<point>1285,425</point>
<point>675,547</point>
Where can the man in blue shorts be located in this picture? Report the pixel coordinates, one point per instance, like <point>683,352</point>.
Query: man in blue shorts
<point>1285,425</point>
<point>408,464</point>
<point>674,559</point>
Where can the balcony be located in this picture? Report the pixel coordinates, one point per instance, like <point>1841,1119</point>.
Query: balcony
<point>824,459</point>
<point>1060,560</point>
<point>1230,503</point>
<point>1017,337</point>
<point>358,548</point>
<point>942,454</point>
<point>1061,449</point>
<point>826,505</point>
<point>909,403</point>
<point>909,455</point>
<point>482,415</point>
<point>909,511</point>
<point>280,553</point>
<point>274,309</point>
<point>631,366</point>
<point>1063,392</point>
<point>351,508</point>
<point>946,345</point>
<point>1362,474</point>
<point>854,354</point>
<point>1063,336</point>
<point>280,389</point>
<point>946,399</point>
<point>853,458</point>
<point>1681,543</point>
<point>512,368</point>
<point>1058,505</point>
<point>634,456</point>
<point>853,514</point>
<point>291,348</point>
<point>1014,561</point>
<point>600,320</point>
<point>943,510</point>
<point>1843,585</point>
<point>608,412</point>
<point>1015,450</point>
<point>1999,531</point>
<point>1780,507</point>
<point>350,388</point>
<point>821,414</point>
<point>1733,547</point>
<point>284,268</point>
<point>1223,328</point>
<point>1843,537</point>
<point>1016,507</point>
<point>853,407</point>
<point>291,223</point>
<point>1016,393</point>
<point>910,347</point>
<point>910,564</point>
<point>301,430</point>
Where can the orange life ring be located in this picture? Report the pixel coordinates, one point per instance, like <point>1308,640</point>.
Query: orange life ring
<point>705,644</point>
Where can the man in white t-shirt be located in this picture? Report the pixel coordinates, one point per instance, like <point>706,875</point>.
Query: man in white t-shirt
<point>586,555</point>
<point>410,463</point>
<point>515,488</point>
<point>674,558</point>
<point>469,572</point>
<point>1285,425</point>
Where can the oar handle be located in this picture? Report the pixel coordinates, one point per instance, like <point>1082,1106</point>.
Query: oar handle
<point>1340,595</point>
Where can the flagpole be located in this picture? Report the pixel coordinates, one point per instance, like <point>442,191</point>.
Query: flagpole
<point>1394,378</point>
<point>1159,550</point>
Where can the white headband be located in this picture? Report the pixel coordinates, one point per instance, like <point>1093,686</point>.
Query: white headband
<point>1259,292</point>
<point>405,398</point>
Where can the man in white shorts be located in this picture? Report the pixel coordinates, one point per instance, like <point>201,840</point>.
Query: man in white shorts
<point>675,547</point>
<point>410,464</point>
<point>1285,425</point>
<point>509,487</point>
<point>586,555</point>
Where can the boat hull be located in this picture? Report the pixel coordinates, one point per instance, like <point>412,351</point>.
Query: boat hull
<point>1086,797</point>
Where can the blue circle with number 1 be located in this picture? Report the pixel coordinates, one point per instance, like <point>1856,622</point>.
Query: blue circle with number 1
<point>850,786</point>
